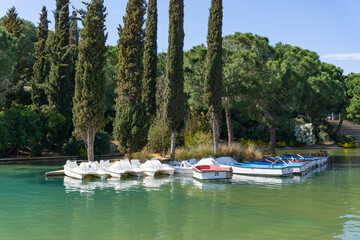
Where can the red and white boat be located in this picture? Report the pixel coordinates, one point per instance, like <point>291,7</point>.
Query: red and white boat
<point>210,172</point>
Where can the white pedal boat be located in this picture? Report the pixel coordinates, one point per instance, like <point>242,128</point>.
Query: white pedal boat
<point>210,172</point>
<point>84,170</point>
<point>265,170</point>
<point>120,169</point>
<point>184,168</point>
<point>154,166</point>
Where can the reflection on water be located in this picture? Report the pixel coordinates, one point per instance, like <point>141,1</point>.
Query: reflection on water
<point>351,227</point>
<point>119,185</point>
<point>210,186</point>
<point>274,182</point>
<point>154,183</point>
<point>91,184</point>
<point>151,183</point>
<point>85,185</point>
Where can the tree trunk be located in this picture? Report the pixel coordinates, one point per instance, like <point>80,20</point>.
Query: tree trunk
<point>272,141</point>
<point>215,130</point>
<point>60,144</point>
<point>229,126</point>
<point>338,127</point>
<point>89,143</point>
<point>173,138</point>
<point>128,155</point>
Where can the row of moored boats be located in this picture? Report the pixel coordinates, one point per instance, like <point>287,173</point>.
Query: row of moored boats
<point>206,169</point>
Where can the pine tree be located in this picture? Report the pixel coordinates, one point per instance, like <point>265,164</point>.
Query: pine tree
<point>213,76</point>
<point>150,59</point>
<point>12,23</point>
<point>89,100</point>
<point>40,69</point>
<point>16,93</point>
<point>129,127</point>
<point>174,90</point>
<point>58,90</point>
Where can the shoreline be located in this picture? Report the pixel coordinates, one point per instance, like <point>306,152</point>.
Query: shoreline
<point>59,158</point>
<point>53,158</point>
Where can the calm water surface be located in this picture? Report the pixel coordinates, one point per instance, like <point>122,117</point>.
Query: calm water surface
<point>324,204</point>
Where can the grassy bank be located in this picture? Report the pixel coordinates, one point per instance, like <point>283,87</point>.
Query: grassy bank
<point>237,151</point>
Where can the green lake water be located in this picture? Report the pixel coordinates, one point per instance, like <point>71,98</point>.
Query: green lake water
<point>324,204</point>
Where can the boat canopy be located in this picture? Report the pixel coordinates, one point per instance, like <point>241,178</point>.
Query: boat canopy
<point>226,160</point>
<point>207,161</point>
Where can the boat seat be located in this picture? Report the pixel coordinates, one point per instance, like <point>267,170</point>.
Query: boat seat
<point>175,163</point>
<point>148,164</point>
<point>116,165</point>
<point>193,161</point>
<point>136,163</point>
<point>89,167</point>
<point>185,164</point>
<point>71,164</point>
<point>104,164</point>
<point>156,164</point>
<point>125,164</point>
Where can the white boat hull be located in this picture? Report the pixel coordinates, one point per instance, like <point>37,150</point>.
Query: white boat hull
<point>73,174</point>
<point>149,172</point>
<point>263,171</point>
<point>115,174</point>
<point>183,170</point>
<point>167,171</point>
<point>225,166</point>
<point>135,173</point>
<point>300,169</point>
<point>212,175</point>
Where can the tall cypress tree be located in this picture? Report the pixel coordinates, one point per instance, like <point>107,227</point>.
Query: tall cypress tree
<point>213,75</point>
<point>74,42</point>
<point>89,100</point>
<point>129,127</point>
<point>58,90</point>
<point>174,90</point>
<point>150,59</point>
<point>40,63</point>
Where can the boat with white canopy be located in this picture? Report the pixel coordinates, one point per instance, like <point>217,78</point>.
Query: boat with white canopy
<point>84,170</point>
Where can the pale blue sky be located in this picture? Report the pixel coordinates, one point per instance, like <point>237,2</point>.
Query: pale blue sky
<point>329,27</point>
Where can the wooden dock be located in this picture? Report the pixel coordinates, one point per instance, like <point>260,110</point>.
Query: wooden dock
<point>55,173</point>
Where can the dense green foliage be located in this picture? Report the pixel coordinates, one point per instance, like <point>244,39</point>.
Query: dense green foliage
<point>74,42</point>
<point>214,67</point>
<point>41,64</point>
<point>24,32</point>
<point>142,97</point>
<point>110,77</point>
<point>353,94</point>
<point>174,79</point>
<point>194,75</point>
<point>8,59</point>
<point>197,130</point>
<point>130,127</point>
<point>25,130</point>
<point>59,89</point>
<point>347,141</point>
<point>89,99</point>
<point>159,135</point>
<point>150,59</point>
<point>12,23</point>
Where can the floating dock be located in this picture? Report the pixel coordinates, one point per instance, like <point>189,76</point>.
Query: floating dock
<point>55,173</point>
